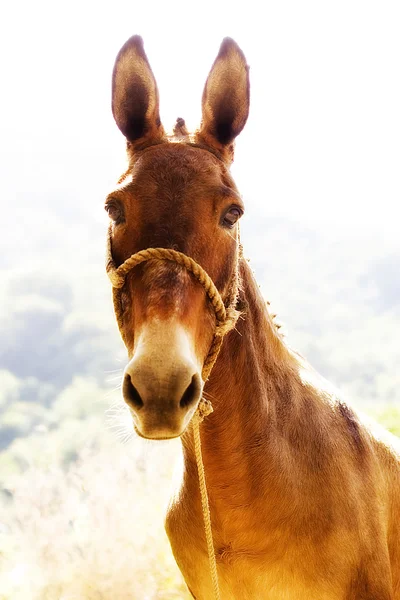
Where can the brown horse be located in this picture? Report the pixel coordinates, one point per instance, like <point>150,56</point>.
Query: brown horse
<point>304,497</point>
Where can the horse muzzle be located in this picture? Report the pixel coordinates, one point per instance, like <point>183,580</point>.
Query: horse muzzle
<point>162,383</point>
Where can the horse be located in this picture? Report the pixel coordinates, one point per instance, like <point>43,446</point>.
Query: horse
<point>304,493</point>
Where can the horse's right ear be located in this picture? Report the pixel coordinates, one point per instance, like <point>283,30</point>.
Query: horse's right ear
<point>135,103</point>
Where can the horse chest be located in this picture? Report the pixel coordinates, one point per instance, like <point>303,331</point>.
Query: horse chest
<point>250,579</point>
<point>257,571</point>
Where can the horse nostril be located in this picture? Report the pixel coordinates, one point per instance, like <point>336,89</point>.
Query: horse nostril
<point>191,393</point>
<point>130,393</point>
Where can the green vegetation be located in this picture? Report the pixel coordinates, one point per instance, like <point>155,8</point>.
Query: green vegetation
<point>389,416</point>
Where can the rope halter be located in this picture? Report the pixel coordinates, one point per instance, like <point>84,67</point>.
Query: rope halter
<point>226,317</point>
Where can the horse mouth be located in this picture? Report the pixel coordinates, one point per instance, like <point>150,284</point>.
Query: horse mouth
<point>156,438</point>
<point>160,432</point>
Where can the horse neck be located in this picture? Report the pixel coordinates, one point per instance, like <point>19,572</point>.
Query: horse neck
<point>254,374</point>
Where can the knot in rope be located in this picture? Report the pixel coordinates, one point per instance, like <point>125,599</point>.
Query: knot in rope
<point>204,409</point>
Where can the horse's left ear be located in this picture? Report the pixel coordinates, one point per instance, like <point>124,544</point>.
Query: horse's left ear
<point>226,99</point>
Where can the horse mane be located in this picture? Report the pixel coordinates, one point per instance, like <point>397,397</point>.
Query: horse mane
<point>180,132</point>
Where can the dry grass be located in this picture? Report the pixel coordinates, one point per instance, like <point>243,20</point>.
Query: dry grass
<point>94,532</point>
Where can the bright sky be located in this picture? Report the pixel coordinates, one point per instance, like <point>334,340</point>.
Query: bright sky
<point>322,143</point>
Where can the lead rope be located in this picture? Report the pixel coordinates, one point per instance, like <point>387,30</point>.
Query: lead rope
<point>226,317</point>
<point>205,507</point>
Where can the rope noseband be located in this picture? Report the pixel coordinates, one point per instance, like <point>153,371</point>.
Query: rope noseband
<point>226,316</point>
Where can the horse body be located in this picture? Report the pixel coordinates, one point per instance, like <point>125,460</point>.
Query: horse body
<point>304,497</point>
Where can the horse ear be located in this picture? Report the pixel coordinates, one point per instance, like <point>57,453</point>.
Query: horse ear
<point>135,103</point>
<point>226,98</point>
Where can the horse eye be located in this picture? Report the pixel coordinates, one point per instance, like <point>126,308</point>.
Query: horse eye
<point>115,211</point>
<point>232,216</point>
